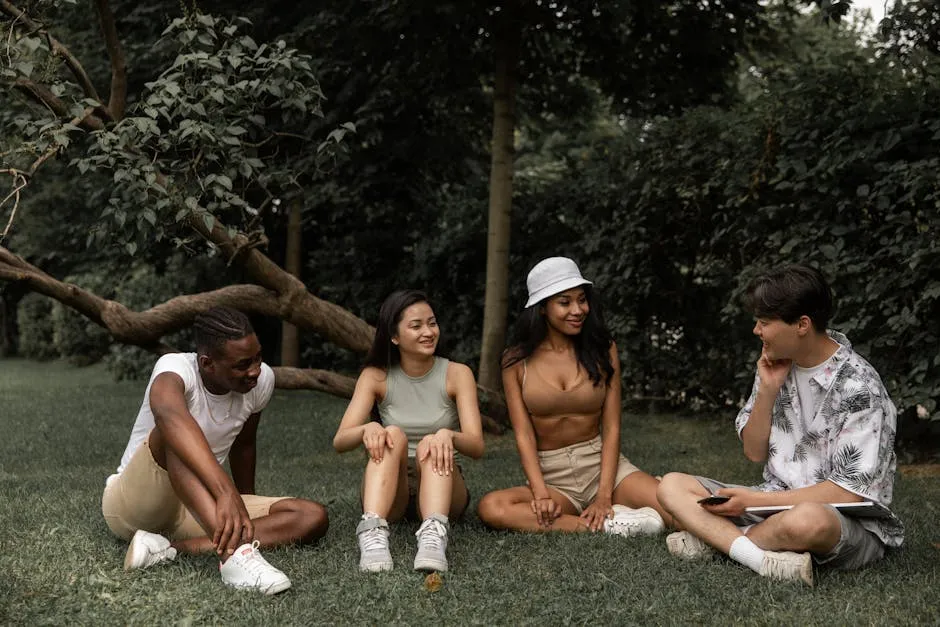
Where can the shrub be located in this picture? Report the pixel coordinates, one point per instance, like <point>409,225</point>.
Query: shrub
<point>34,324</point>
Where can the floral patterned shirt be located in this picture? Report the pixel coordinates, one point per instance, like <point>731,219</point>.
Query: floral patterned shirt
<point>848,441</point>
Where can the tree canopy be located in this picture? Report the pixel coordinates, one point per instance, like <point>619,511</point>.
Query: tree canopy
<point>673,149</point>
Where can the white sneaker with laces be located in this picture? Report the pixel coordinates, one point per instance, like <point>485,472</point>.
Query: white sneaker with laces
<point>147,549</point>
<point>788,566</point>
<point>628,522</point>
<point>374,556</point>
<point>247,570</point>
<point>432,544</point>
<point>687,546</point>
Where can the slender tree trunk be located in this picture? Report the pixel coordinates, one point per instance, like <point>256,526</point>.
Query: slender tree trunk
<point>507,38</point>
<point>290,335</point>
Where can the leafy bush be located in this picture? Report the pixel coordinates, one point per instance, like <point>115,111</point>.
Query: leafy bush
<point>78,339</point>
<point>34,323</point>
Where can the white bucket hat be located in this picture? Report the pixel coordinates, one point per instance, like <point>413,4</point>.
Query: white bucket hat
<point>552,276</point>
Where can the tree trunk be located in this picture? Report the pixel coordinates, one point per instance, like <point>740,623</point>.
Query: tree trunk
<point>290,335</point>
<point>507,39</point>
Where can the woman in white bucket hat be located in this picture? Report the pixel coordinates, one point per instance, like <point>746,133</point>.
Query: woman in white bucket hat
<point>562,383</point>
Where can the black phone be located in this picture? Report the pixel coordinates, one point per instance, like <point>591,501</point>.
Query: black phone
<point>714,499</point>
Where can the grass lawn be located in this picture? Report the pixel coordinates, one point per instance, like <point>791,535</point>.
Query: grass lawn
<point>64,429</point>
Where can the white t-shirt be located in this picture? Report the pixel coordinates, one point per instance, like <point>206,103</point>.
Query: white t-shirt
<point>221,418</point>
<point>804,389</point>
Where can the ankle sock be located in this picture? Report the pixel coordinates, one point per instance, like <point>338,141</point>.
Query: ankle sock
<point>743,551</point>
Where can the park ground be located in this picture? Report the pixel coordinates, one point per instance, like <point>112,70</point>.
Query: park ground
<point>64,429</point>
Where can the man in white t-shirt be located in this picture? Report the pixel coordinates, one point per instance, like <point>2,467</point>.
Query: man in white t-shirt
<point>171,494</point>
<point>820,418</point>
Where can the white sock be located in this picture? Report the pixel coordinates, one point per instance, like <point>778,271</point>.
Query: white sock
<point>369,515</point>
<point>743,551</point>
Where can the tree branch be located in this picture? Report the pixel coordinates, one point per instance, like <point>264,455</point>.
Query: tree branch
<point>330,321</point>
<point>146,328</point>
<point>43,96</point>
<point>19,182</point>
<point>118,98</point>
<point>55,47</point>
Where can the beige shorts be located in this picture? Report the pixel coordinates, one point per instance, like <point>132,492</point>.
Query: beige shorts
<point>575,471</point>
<point>142,497</point>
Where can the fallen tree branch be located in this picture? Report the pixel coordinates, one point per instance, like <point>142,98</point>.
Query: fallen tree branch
<point>146,328</point>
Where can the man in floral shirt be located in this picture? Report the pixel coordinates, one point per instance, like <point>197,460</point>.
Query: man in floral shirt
<point>821,420</point>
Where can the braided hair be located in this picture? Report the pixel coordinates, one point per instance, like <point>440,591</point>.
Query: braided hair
<point>215,327</point>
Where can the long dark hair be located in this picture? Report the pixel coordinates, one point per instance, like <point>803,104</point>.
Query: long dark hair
<point>591,346</point>
<point>383,354</point>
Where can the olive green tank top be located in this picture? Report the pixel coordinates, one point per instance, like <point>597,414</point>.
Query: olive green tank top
<point>418,405</point>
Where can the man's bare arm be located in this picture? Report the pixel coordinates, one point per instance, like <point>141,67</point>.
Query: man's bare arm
<point>243,455</point>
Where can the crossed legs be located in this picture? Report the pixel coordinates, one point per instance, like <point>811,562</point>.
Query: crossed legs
<point>511,508</point>
<point>811,527</point>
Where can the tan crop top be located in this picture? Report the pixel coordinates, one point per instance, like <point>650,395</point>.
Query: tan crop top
<point>544,400</point>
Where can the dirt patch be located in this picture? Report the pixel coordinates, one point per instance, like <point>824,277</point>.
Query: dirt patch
<point>919,470</point>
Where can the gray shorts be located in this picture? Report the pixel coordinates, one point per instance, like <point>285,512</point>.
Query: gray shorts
<point>856,547</point>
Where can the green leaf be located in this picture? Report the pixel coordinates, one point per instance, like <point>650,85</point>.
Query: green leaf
<point>209,220</point>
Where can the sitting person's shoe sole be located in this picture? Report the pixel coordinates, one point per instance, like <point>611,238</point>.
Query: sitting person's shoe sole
<point>687,546</point>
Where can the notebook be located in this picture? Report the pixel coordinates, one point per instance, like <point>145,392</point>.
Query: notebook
<point>866,509</point>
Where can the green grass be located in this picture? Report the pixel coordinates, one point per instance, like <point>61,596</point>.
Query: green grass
<point>63,431</point>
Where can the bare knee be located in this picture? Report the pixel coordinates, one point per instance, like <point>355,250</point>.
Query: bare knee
<point>808,523</point>
<point>675,487</point>
<point>309,520</point>
<point>399,440</point>
<point>492,509</point>
<point>398,436</point>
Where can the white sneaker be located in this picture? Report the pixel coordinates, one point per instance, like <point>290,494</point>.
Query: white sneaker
<point>147,549</point>
<point>687,546</point>
<point>374,556</point>
<point>628,522</point>
<point>432,544</point>
<point>788,566</point>
<point>247,570</point>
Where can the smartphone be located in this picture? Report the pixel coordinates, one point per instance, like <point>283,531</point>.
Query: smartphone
<point>714,499</point>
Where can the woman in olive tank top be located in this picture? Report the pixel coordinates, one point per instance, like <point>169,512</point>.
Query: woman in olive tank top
<point>561,378</point>
<point>428,409</point>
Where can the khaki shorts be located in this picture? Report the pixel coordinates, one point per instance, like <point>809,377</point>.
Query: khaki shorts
<point>575,471</point>
<point>142,497</point>
<point>856,547</point>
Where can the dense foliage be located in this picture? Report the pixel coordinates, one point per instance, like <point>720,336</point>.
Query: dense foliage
<point>821,148</point>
